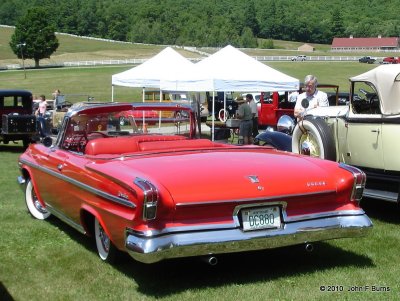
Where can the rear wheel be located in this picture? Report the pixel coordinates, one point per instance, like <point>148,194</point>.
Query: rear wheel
<point>313,137</point>
<point>35,208</point>
<point>105,248</point>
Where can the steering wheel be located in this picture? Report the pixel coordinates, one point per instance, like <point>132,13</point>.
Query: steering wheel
<point>374,104</point>
<point>372,97</point>
<point>94,133</point>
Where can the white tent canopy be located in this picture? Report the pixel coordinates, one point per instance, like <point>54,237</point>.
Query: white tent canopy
<point>167,63</point>
<point>230,70</point>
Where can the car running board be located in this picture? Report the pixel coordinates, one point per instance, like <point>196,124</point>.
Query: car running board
<point>381,195</point>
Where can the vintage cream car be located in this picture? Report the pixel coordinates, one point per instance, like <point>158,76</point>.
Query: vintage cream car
<point>364,134</point>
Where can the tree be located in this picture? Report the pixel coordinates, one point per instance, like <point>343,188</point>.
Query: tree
<point>250,18</point>
<point>247,38</point>
<point>34,36</point>
<point>337,26</point>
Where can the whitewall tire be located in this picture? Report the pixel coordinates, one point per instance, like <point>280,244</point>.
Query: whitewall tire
<point>313,137</point>
<point>35,208</point>
<point>105,248</point>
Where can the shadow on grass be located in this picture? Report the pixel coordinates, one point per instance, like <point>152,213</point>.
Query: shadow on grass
<point>169,277</point>
<point>4,294</point>
<point>173,276</point>
<point>384,211</point>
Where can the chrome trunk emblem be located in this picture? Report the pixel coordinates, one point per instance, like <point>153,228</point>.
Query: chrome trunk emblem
<point>253,179</point>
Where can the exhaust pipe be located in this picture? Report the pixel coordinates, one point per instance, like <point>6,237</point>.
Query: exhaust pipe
<point>211,260</point>
<point>309,247</point>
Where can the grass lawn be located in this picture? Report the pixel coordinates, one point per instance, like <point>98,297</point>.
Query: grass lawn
<point>96,81</point>
<point>48,260</point>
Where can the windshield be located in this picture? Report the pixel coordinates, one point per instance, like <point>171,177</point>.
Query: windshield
<point>81,128</point>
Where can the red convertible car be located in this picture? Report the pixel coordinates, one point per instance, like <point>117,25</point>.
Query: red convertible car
<point>137,189</point>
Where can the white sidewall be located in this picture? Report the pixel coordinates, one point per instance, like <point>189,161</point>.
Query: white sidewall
<point>103,253</point>
<point>30,203</point>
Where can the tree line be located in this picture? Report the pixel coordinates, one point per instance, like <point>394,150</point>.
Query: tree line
<point>252,23</point>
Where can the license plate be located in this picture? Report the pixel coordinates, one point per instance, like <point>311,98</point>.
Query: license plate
<point>261,218</point>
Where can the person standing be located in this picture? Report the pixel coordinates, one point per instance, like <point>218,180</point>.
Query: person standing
<point>246,123</point>
<point>315,97</point>
<point>40,114</point>
<point>254,112</point>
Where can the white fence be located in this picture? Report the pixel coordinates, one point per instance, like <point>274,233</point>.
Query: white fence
<point>139,61</point>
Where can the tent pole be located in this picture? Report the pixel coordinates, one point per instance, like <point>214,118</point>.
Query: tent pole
<point>213,116</point>
<point>143,119</point>
<point>225,111</point>
<point>159,119</point>
<point>112,93</point>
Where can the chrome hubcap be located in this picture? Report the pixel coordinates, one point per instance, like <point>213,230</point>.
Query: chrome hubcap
<point>309,146</point>
<point>37,204</point>
<point>105,241</point>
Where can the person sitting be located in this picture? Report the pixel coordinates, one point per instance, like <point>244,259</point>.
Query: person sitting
<point>315,97</point>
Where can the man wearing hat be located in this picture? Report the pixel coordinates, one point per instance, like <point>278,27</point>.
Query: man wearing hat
<point>246,123</point>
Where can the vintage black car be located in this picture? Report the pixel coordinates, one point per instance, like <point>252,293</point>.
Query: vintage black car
<point>222,114</point>
<point>18,121</point>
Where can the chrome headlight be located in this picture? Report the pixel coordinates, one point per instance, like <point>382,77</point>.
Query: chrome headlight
<point>285,124</point>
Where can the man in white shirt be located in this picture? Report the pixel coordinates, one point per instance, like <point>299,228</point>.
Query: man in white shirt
<point>315,97</point>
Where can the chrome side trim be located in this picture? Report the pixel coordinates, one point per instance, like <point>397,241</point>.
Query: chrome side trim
<point>65,218</point>
<point>271,198</point>
<point>198,243</point>
<point>81,185</point>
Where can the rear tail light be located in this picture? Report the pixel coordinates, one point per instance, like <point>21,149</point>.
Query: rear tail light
<point>359,181</point>
<point>150,198</point>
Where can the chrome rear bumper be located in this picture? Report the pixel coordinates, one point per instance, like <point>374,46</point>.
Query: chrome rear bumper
<point>193,243</point>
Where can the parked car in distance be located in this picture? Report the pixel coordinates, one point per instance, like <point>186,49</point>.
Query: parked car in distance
<point>18,121</point>
<point>391,60</point>
<point>299,58</point>
<point>363,134</point>
<point>180,97</point>
<point>114,183</point>
<point>367,59</point>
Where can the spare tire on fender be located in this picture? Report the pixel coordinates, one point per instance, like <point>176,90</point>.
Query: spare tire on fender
<point>312,137</point>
